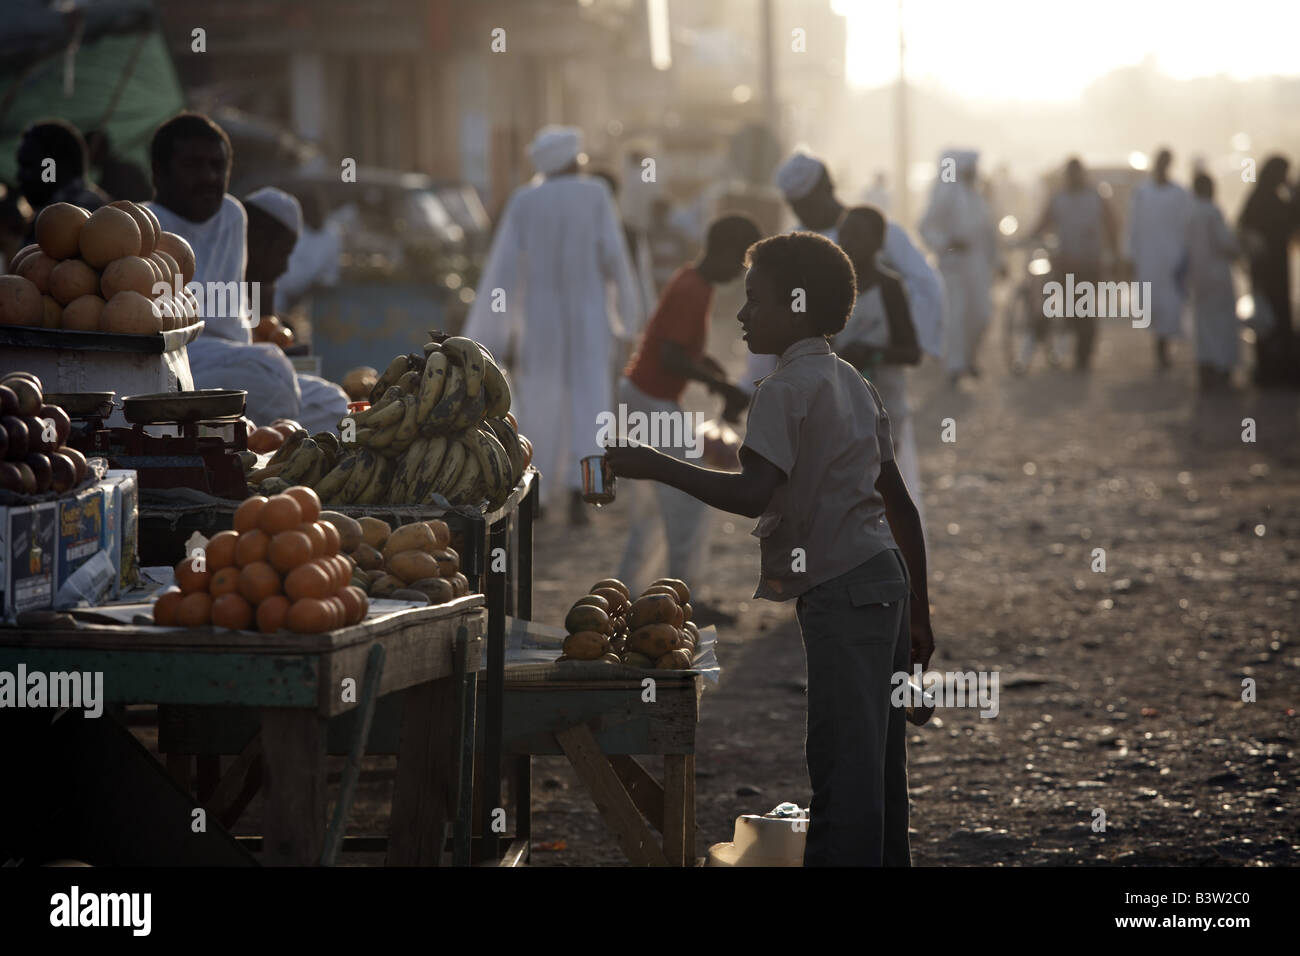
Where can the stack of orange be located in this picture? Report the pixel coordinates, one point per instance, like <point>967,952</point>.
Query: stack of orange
<point>280,568</point>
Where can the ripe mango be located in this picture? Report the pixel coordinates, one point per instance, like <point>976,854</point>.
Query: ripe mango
<point>585,617</point>
<point>653,609</point>
<point>654,640</point>
<point>585,645</point>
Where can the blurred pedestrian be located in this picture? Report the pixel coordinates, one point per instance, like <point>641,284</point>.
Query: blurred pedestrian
<point>806,185</point>
<point>1158,248</point>
<point>879,339</point>
<point>1211,247</point>
<point>668,247</point>
<point>958,227</point>
<point>1267,225</point>
<point>52,164</point>
<point>274,225</point>
<point>1086,233</point>
<point>670,355</point>
<point>191,158</point>
<point>542,308</point>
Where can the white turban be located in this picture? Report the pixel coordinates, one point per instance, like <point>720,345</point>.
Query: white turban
<point>279,205</point>
<point>554,148</point>
<point>798,175</point>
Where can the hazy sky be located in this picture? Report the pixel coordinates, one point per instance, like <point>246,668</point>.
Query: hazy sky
<point>1051,49</point>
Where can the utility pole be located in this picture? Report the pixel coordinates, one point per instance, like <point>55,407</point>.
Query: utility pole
<point>767,67</point>
<point>900,119</point>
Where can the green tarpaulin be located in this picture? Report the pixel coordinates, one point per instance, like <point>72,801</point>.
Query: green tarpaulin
<point>151,94</point>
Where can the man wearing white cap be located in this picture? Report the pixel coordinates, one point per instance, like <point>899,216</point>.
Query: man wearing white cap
<point>542,308</point>
<point>274,225</point>
<point>806,184</point>
<point>958,227</point>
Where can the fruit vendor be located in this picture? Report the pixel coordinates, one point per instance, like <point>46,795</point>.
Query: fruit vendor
<point>191,159</point>
<point>541,307</point>
<point>55,149</point>
<point>671,354</point>
<point>838,534</point>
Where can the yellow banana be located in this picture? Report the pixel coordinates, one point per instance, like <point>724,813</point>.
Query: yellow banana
<point>470,412</point>
<point>453,394</point>
<point>434,452</point>
<point>465,483</point>
<point>431,385</point>
<point>453,462</point>
<point>494,466</point>
<point>361,474</point>
<point>509,440</point>
<point>407,471</point>
<point>390,410</point>
<point>409,426</point>
<point>309,454</point>
<point>398,367</point>
<point>329,487</point>
<point>377,491</point>
<point>410,382</point>
<point>498,390</point>
<point>289,447</point>
<point>470,356</point>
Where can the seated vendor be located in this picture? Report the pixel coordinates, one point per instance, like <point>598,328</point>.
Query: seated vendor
<point>274,226</point>
<point>191,159</point>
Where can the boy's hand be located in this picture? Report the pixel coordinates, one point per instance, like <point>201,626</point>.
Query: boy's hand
<point>710,363</point>
<point>633,461</point>
<point>736,401</point>
<point>922,643</point>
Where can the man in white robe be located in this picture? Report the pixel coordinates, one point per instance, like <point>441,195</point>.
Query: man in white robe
<point>1211,248</point>
<point>806,185</point>
<point>191,158</point>
<point>957,225</point>
<point>1158,248</point>
<point>542,309</point>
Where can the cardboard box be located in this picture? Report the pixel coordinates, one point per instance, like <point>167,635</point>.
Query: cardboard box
<point>28,550</point>
<point>81,537</point>
<point>126,518</point>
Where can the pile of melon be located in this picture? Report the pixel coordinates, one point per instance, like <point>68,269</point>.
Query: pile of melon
<point>100,272</point>
<point>279,569</point>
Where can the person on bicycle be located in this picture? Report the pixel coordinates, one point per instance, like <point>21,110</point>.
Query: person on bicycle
<point>1085,231</point>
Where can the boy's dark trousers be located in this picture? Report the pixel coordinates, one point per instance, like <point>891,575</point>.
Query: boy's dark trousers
<point>856,635</point>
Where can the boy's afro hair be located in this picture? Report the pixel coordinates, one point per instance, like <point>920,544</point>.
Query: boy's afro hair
<point>811,263</point>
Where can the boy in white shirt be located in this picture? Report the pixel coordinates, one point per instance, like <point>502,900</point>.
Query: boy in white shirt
<point>834,515</point>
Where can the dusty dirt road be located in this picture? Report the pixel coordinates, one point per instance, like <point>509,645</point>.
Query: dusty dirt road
<point>1121,691</point>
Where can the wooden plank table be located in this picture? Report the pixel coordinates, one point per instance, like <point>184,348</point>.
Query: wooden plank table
<point>601,726</point>
<point>296,683</point>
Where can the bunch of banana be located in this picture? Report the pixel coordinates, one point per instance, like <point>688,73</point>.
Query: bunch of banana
<point>301,460</point>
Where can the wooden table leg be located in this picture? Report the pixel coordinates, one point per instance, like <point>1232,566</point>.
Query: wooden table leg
<point>612,800</point>
<point>675,821</point>
<point>293,820</point>
<point>689,842</point>
<point>427,761</point>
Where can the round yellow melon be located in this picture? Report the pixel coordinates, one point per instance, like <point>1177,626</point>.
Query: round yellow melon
<point>82,314</point>
<point>107,235</point>
<point>20,255</point>
<point>130,313</point>
<point>58,229</point>
<point>129,272</point>
<point>20,302</point>
<point>168,312</point>
<point>36,269</point>
<point>71,279</point>
<point>148,237</point>
<point>170,269</point>
<point>180,251</point>
<point>52,313</point>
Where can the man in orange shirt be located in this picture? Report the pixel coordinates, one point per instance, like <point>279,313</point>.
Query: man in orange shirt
<point>671,353</point>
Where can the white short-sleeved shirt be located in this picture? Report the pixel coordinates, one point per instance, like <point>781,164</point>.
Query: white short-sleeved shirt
<point>826,428</point>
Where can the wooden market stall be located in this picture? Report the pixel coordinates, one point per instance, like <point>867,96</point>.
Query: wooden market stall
<point>425,657</point>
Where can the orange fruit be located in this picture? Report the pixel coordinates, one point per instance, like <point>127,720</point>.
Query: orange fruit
<point>341,570</point>
<point>164,611</point>
<point>308,501</point>
<point>232,611</point>
<point>309,581</point>
<point>272,613</point>
<point>190,578</point>
<point>310,616</point>
<point>339,610</point>
<point>355,604</point>
<point>195,610</point>
<point>225,581</point>
<point>258,581</point>
<point>220,551</point>
<point>332,540</point>
<point>312,529</point>
<point>251,547</point>
<point>289,549</point>
<point>246,514</point>
<point>280,513</point>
